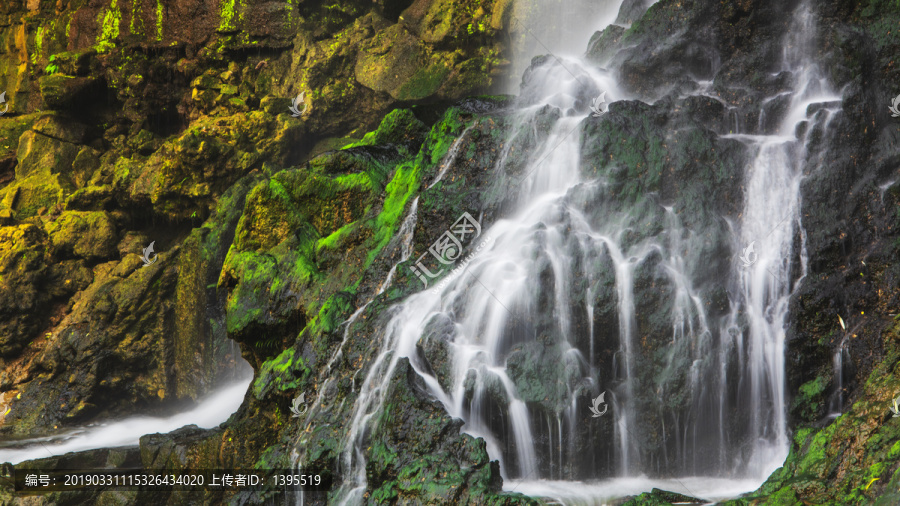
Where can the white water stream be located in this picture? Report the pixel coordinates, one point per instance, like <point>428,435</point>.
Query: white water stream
<point>209,413</point>
<point>731,433</point>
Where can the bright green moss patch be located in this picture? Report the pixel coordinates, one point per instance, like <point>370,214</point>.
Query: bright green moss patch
<point>333,240</point>
<point>810,397</point>
<point>399,128</point>
<point>443,134</point>
<point>38,45</point>
<point>227,13</point>
<point>399,191</point>
<point>109,27</point>
<point>136,26</point>
<point>333,312</point>
<point>283,373</point>
<point>254,273</point>
<point>159,20</point>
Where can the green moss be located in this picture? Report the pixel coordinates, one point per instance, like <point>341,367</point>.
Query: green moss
<point>815,452</point>
<point>354,181</point>
<point>136,26</point>
<point>399,190</point>
<point>109,27</point>
<point>333,312</point>
<point>894,452</point>
<point>282,373</point>
<point>333,240</point>
<point>38,45</point>
<point>385,494</point>
<point>51,67</point>
<point>442,135</point>
<point>159,20</point>
<point>248,301</point>
<point>784,497</point>
<point>810,397</point>
<point>398,127</point>
<point>424,82</point>
<point>227,13</point>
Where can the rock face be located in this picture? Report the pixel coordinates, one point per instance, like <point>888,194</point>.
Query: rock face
<point>169,121</point>
<point>137,122</point>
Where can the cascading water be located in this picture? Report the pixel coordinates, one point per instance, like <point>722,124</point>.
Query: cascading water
<point>531,352</point>
<point>836,400</point>
<point>771,221</point>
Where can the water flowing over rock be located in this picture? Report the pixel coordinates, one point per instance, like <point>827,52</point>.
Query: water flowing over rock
<point>664,271</point>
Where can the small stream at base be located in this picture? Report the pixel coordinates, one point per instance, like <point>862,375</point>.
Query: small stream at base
<point>601,493</point>
<point>209,413</point>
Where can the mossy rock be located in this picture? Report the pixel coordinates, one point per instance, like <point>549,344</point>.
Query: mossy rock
<point>603,44</point>
<point>24,263</point>
<point>11,129</point>
<point>40,154</point>
<point>28,196</point>
<point>417,453</point>
<point>90,235</point>
<point>395,62</point>
<point>399,127</point>
<point>61,92</point>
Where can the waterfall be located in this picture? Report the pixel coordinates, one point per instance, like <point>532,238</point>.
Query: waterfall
<point>771,222</point>
<point>548,265</point>
<point>836,401</point>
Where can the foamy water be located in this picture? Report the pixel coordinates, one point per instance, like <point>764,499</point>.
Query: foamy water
<point>576,493</point>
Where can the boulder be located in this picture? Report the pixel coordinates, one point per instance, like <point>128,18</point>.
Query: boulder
<point>85,234</point>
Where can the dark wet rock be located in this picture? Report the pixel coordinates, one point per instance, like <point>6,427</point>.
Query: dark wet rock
<point>604,44</point>
<point>126,457</point>
<point>659,497</point>
<point>435,349</point>
<point>537,373</point>
<point>22,274</point>
<point>485,104</point>
<point>632,10</point>
<point>402,441</point>
<point>63,92</point>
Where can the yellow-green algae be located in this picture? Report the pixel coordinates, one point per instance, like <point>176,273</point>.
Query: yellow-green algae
<point>38,45</point>
<point>109,27</point>
<point>159,20</point>
<point>227,13</point>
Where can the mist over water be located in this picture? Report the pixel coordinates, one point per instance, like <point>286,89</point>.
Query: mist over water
<point>559,27</point>
<point>528,351</point>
